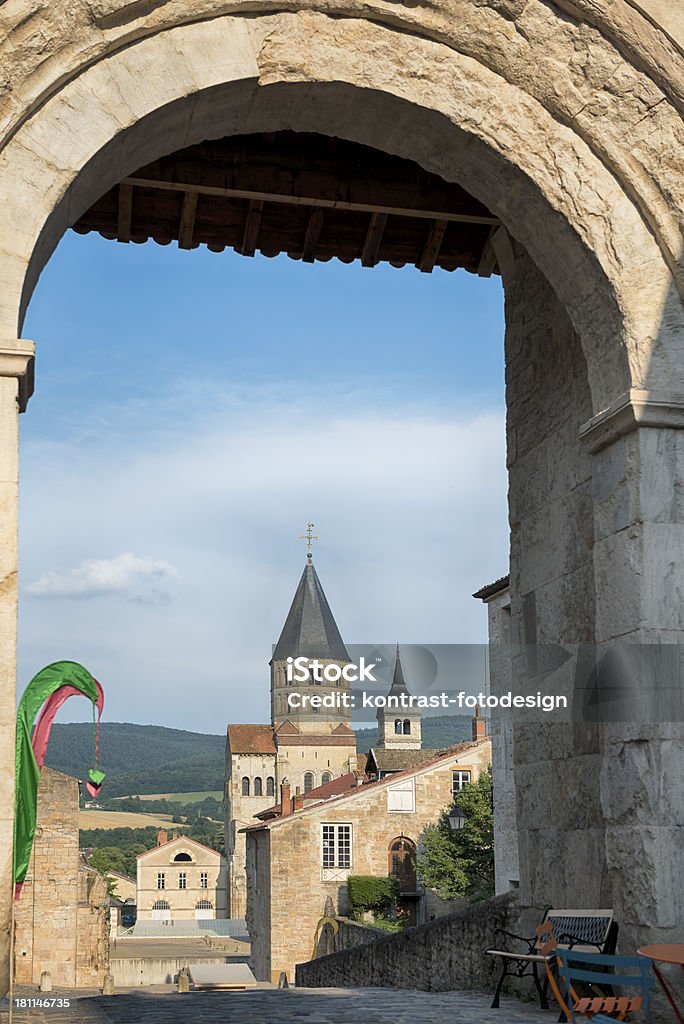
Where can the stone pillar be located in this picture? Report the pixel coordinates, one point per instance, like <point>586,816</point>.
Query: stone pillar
<point>16,386</point>
<point>638,454</point>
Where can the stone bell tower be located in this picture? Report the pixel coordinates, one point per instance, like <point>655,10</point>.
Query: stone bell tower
<point>315,742</point>
<point>399,728</point>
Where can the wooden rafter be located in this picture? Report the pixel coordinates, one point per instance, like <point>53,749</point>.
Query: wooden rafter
<point>313,201</point>
<point>487,264</point>
<point>186,227</point>
<point>250,238</point>
<point>433,244</point>
<point>125,212</point>
<point>371,246</point>
<point>313,234</point>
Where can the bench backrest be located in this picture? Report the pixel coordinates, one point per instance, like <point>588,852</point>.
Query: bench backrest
<point>590,931</point>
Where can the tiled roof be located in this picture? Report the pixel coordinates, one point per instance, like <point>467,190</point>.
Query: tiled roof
<point>484,593</point>
<point>251,739</point>
<point>390,780</point>
<point>399,760</point>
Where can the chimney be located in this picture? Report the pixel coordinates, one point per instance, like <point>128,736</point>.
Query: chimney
<point>285,802</point>
<point>479,725</point>
<point>162,837</point>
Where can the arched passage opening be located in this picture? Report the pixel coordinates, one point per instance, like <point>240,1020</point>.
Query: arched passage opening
<point>573,254</point>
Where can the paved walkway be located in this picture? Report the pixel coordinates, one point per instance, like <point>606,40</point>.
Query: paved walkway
<point>162,1005</point>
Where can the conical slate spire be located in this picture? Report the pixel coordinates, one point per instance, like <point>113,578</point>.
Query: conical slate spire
<point>310,630</point>
<point>398,684</point>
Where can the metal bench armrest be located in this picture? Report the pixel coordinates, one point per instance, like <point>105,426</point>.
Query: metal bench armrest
<point>520,938</point>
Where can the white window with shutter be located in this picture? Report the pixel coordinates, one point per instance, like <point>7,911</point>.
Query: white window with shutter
<point>402,796</point>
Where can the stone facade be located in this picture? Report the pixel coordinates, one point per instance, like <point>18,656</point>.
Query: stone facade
<point>565,118</point>
<point>290,877</point>
<point>62,916</point>
<point>181,879</point>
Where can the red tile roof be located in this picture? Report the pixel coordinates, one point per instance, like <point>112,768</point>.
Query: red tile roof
<point>251,739</point>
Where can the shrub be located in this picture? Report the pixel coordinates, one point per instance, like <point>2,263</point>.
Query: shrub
<point>372,892</point>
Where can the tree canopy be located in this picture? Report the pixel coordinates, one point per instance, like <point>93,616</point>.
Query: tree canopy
<point>460,864</point>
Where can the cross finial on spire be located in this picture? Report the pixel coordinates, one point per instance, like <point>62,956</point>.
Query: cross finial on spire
<point>309,537</point>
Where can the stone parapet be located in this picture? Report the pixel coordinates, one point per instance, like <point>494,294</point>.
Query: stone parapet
<point>438,956</point>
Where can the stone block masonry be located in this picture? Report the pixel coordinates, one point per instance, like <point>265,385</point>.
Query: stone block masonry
<point>438,956</point>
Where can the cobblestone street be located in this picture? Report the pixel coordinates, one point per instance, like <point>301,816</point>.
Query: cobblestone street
<point>163,1005</point>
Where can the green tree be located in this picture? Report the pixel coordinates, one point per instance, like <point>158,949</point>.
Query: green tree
<point>460,864</point>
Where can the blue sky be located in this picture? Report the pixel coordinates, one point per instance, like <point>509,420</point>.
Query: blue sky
<point>193,410</point>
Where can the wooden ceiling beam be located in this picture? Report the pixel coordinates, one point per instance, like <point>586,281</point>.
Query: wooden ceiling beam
<point>124,216</point>
<point>313,234</point>
<point>432,246</point>
<point>186,227</point>
<point>371,247</point>
<point>250,238</point>
<point>314,201</point>
<point>487,264</point>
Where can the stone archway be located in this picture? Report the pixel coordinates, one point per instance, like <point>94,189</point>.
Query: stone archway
<point>564,121</point>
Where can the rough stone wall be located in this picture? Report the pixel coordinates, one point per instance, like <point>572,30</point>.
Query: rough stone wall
<point>92,929</point>
<point>506,863</point>
<point>62,918</point>
<point>258,915</point>
<point>297,887</point>
<point>240,811</point>
<point>435,957</point>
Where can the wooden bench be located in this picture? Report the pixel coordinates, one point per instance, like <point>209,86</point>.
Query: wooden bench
<point>588,931</point>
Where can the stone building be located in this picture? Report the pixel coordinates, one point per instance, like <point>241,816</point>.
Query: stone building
<point>181,880</point>
<point>399,728</point>
<point>62,916</point>
<point>300,858</point>
<point>541,140</point>
<point>307,746</point>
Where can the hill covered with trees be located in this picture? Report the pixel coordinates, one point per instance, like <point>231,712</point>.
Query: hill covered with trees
<point>141,759</point>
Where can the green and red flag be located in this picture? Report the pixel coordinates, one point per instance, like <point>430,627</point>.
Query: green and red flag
<point>47,691</point>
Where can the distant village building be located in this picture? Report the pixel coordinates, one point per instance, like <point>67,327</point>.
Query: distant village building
<point>181,880</point>
<point>62,916</point>
<point>302,853</point>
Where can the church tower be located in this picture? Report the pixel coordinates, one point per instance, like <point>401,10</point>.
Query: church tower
<point>311,718</point>
<point>398,727</point>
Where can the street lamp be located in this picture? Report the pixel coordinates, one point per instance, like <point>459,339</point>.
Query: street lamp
<point>456,818</point>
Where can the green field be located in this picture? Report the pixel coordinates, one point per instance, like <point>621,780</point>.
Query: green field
<point>181,798</point>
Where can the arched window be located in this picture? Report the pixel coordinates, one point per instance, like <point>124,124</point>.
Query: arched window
<point>161,911</point>
<point>258,787</point>
<point>402,863</point>
<point>270,786</point>
<point>407,727</point>
<point>204,910</point>
<point>308,781</point>
<point>397,726</point>
<point>182,856</point>
<point>326,777</point>
<point>245,786</point>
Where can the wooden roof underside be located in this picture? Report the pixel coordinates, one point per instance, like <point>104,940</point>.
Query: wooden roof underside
<point>312,197</point>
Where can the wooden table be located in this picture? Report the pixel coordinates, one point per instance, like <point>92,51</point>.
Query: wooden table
<point>672,953</point>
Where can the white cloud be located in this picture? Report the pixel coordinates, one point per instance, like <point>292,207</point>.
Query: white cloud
<point>410,508</point>
<point>143,579</point>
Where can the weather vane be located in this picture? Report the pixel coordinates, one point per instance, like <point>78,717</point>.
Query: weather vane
<point>309,537</point>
